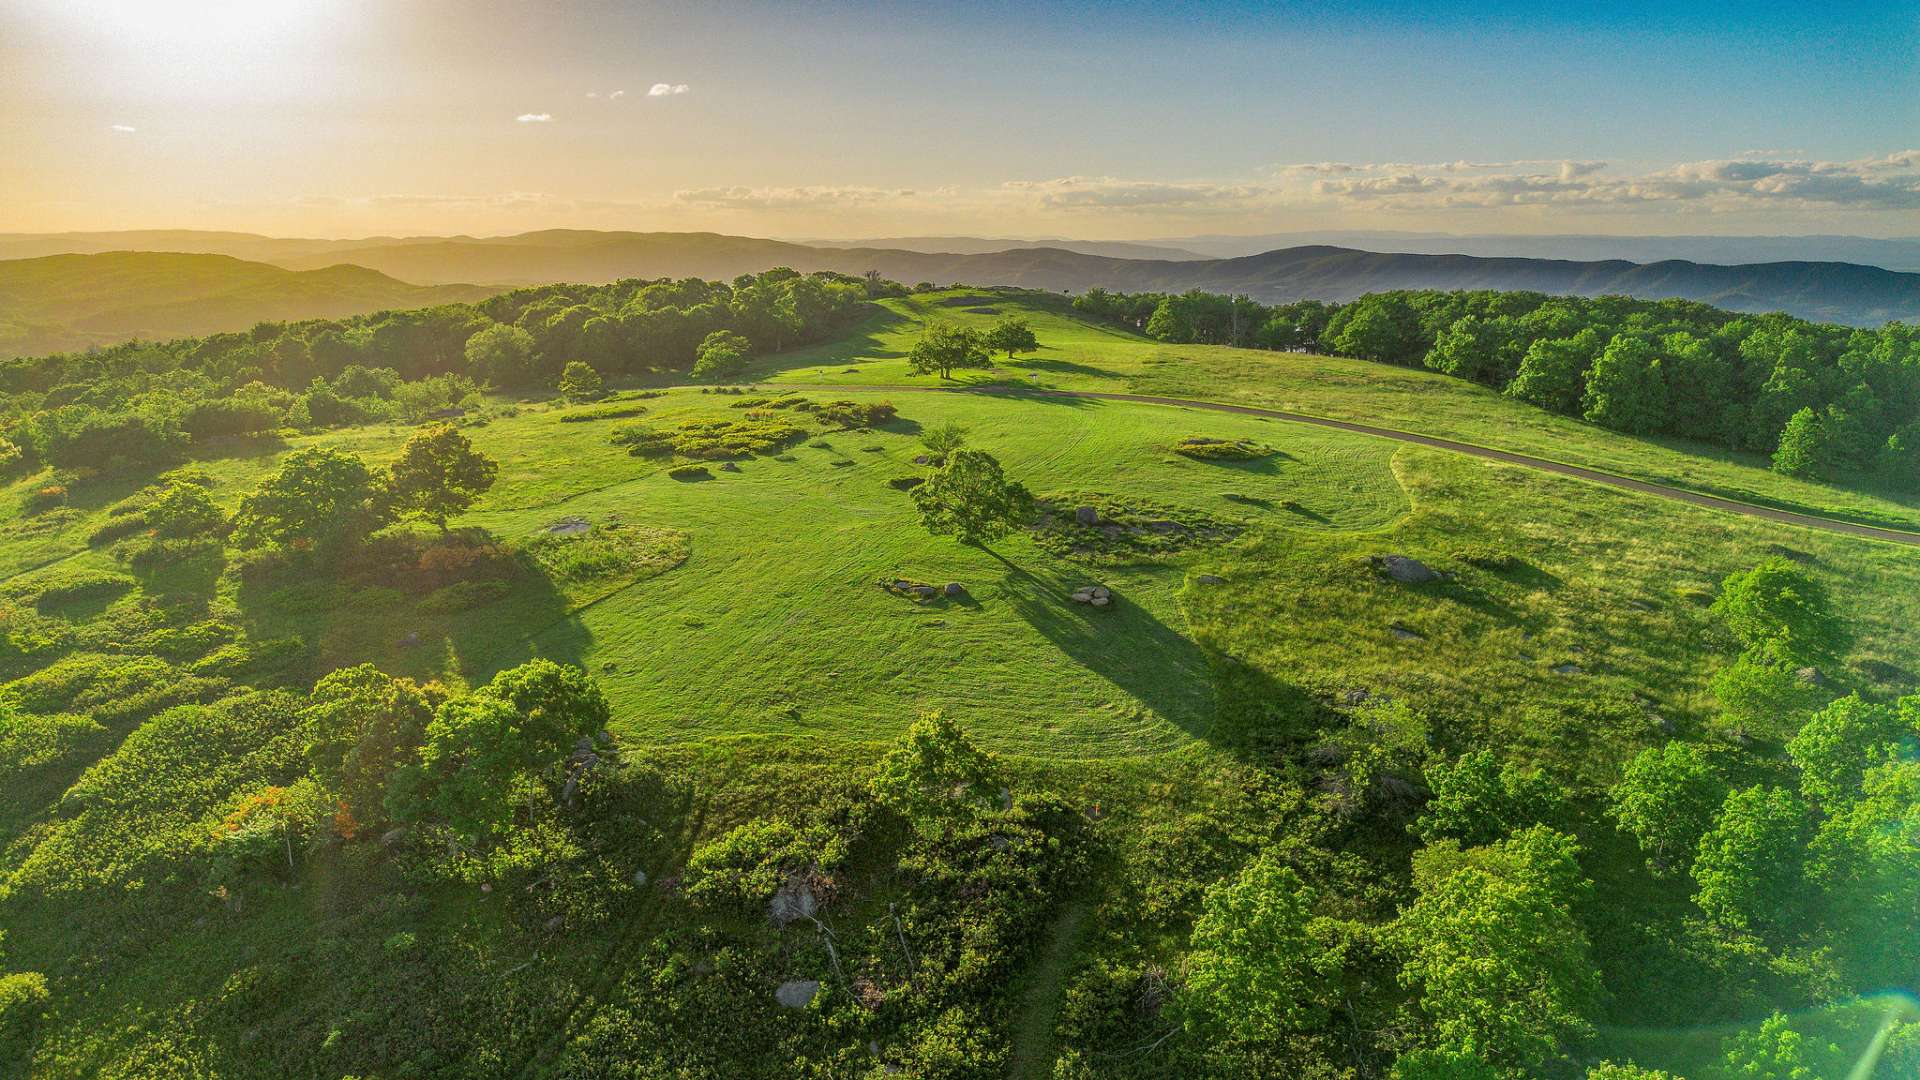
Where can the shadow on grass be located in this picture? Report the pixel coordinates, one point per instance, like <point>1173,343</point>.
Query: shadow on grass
<point>350,618</point>
<point>1067,367</point>
<point>1123,643</point>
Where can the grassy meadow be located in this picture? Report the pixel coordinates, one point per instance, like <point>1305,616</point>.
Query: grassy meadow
<point>738,625</point>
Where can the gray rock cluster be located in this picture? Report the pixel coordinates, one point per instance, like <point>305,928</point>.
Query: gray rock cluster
<point>1095,595</point>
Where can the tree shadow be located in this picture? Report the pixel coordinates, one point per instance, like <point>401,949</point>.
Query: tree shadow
<point>474,627</point>
<point>1114,641</point>
<point>1066,367</point>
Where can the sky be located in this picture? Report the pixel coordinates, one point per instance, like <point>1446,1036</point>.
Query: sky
<point>344,118</point>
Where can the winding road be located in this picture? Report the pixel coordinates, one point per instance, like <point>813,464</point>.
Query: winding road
<point>1662,491</point>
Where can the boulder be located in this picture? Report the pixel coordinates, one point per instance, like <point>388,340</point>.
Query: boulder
<point>1100,601</point>
<point>1211,579</point>
<point>1083,594</point>
<point>639,879</point>
<point>954,588</point>
<point>795,900</point>
<point>411,641</point>
<point>925,592</point>
<point>1087,516</point>
<point>1404,570</point>
<point>1566,669</point>
<point>730,467</point>
<point>1405,632</point>
<point>797,993</point>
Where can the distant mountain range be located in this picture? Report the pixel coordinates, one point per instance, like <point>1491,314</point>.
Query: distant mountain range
<point>62,302</point>
<point>987,245</point>
<point>65,301</point>
<point>1901,253</point>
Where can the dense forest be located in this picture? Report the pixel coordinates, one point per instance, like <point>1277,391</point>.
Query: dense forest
<point>1828,402</point>
<point>145,404</point>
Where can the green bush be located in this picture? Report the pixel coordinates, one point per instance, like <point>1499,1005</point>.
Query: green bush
<point>1203,448</point>
<point>710,439</point>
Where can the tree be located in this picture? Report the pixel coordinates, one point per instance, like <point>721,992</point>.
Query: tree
<point>321,498</point>
<point>1011,335</point>
<point>935,777</point>
<point>1837,745</point>
<point>1609,1070</point>
<point>1780,610</point>
<point>970,499</point>
<point>1900,458</point>
<point>721,355</point>
<point>439,474</point>
<point>1747,868</point>
<point>501,355</point>
<point>1865,863</point>
<point>516,729</point>
<point>1625,388</point>
<point>579,382</point>
<point>1443,1065</point>
<point>1553,372</point>
<point>1479,799</point>
<point>361,727</point>
<point>1777,1052</point>
<point>1474,348</point>
<point>1666,800</point>
<point>1382,327</point>
<point>944,347</point>
<point>1806,446</point>
<point>184,509</point>
<point>1501,965</point>
<point>943,439</point>
<point>1256,972</point>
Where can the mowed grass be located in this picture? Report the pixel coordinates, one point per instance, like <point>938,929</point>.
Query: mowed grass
<point>1085,356</point>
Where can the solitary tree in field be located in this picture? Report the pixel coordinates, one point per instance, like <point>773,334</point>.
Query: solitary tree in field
<point>320,497</point>
<point>440,474</point>
<point>1781,611</point>
<point>1011,335</point>
<point>935,777</point>
<point>970,499</point>
<point>579,382</point>
<point>945,347</point>
<point>184,509</point>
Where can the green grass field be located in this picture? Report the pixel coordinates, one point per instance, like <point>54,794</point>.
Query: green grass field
<point>745,639</point>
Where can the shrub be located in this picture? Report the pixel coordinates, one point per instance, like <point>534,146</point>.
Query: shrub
<point>1203,448</point>
<point>609,551</point>
<point>45,498</point>
<point>603,412</point>
<point>854,414</point>
<point>739,872</point>
<point>710,439</point>
<point>690,472</point>
<point>81,587</point>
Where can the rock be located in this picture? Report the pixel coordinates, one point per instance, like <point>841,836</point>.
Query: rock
<point>797,993</point>
<point>639,879</point>
<point>954,588</point>
<point>1811,676</point>
<point>1211,579</point>
<point>411,641</point>
<point>1100,601</point>
<point>486,887</point>
<point>569,526</point>
<point>1083,594</point>
<point>1404,570</point>
<point>1100,592</point>
<point>730,466</point>
<point>921,459</point>
<point>1405,633</point>
<point>795,900</point>
<point>1086,515</point>
<point>925,592</point>
<point>1566,669</point>
<point>393,836</point>
<point>555,923</point>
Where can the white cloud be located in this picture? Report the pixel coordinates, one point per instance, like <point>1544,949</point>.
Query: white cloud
<point>661,89</point>
<point>534,118</point>
<point>124,129</point>
<point>616,95</point>
<point>1107,193</point>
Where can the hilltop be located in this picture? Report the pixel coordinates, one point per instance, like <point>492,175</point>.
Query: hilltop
<point>63,302</point>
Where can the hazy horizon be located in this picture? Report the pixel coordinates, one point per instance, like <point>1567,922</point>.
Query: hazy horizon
<point>345,118</point>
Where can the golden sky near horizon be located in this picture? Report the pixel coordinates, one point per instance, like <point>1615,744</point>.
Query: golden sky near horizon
<point>355,117</point>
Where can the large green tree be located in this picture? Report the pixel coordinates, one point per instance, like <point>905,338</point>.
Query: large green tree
<point>945,347</point>
<point>1748,866</point>
<point>501,355</point>
<point>1011,335</point>
<point>1480,798</point>
<point>1782,611</point>
<point>1257,970</point>
<point>361,727</point>
<point>970,499</point>
<point>1666,800</point>
<point>440,474</point>
<point>1553,371</point>
<point>1625,388</point>
<point>935,776</point>
<point>1491,947</point>
<point>320,497</point>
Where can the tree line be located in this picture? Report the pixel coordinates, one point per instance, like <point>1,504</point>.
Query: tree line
<point>1824,401</point>
<point>147,404</point>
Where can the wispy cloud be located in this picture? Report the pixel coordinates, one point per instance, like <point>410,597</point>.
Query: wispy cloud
<point>661,89</point>
<point>534,118</point>
<point>1106,192</point>
<point>789,198</point>
<point>124,129</point>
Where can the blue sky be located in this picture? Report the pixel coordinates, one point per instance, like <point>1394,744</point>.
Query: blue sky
<point>1118,119</point>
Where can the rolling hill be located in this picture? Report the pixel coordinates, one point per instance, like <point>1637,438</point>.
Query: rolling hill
<point>62,302</point>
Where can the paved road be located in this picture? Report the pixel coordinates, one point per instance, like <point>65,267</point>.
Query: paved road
<point>1662,491</point>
